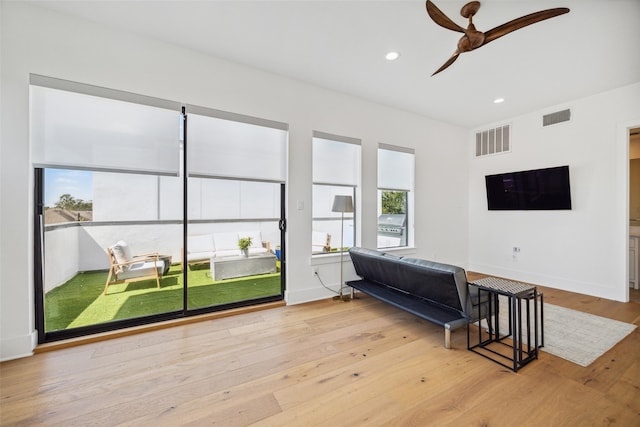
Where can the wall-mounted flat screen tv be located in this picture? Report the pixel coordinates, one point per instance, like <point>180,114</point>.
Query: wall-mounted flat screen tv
<point>539,189</point>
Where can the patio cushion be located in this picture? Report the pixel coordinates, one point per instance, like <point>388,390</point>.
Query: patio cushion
<point>236,252</point>
<point>200,256</point>
<point>143,268</point>
<point>202,243</point>
<point>121,251</point>
<point>127,250</point>
<point>203,247</point>
<point>226,241</point>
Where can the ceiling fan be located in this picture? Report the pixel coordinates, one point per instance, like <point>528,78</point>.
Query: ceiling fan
<point>472,38</point>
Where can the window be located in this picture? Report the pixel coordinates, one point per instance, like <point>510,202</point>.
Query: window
<point>395,195</point>
<point>336,172</point>
<point>236,174</point>
<point>197,193</point>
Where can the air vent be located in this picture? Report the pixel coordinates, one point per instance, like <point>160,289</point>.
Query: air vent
<point>557,117</point>
<point>493,141</point>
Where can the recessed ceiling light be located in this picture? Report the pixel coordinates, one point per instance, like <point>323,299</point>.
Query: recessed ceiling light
<point>498,100</point>
<point>392,56</point>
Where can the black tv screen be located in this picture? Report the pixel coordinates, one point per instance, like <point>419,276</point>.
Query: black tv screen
<point>539,189</point>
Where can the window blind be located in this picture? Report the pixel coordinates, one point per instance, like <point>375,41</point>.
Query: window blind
<point>336,162</point>
<point>77,126</point>
<point>395,168</point>
<point>227,145</point>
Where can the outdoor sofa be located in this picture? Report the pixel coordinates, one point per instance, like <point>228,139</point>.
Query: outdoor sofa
<point>201,248</point>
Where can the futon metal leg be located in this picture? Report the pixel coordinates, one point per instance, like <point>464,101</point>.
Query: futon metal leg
<point>447,338</point>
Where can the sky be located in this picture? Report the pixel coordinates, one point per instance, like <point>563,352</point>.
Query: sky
<point>61,181</point>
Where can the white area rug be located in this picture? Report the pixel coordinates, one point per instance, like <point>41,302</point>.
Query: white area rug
<point>573,335</point>
<point>580,337</point>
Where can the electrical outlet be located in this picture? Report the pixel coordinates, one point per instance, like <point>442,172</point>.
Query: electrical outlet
<point>516,249</point>
<point>315,270</point>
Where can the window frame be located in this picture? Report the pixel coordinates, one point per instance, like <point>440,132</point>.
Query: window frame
<point>354,185</point>
<point>406,187</point>
<point>181,171</point>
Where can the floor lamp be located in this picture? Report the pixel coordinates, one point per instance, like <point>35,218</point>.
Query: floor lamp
<point>342,204</point>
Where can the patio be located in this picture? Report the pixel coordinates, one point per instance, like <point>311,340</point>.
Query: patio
<point>80,302</point>
<point>76,268</point>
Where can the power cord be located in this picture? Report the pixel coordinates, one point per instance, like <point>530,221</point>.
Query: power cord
<point>315,273</point>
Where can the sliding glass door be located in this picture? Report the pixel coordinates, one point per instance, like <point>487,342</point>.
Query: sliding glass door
<point>236,168</point>
<point>132,228</point>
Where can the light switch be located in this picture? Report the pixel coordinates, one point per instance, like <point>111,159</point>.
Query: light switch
<point>300,205</point>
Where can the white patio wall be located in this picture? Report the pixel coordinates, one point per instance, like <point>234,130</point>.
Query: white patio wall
<point>82,246</point>
<point>127,197</point>
<point>62,260</point>
<point>131,197</point>
<point>77,247</point>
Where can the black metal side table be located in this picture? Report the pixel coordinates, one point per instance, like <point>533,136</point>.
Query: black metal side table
<point>523,347</point>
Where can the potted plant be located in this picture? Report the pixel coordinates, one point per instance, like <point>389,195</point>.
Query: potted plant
<point>244,244</point>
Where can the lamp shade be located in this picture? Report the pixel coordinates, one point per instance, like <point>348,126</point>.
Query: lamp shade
<point>342,204</point>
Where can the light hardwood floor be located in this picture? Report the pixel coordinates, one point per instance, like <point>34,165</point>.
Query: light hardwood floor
<point>325,363</point>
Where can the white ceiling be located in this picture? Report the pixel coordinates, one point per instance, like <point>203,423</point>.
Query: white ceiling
<point>341,45</point>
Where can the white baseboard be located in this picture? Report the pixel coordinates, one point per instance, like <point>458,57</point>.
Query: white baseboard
<point>562,283</point>
<point>18,347</point>
<point>300,296</point>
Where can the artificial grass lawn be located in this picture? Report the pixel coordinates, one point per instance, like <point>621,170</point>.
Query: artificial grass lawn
<point>79,302</point>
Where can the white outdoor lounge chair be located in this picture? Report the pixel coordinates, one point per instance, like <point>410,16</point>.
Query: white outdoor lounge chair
<point>127,268</point>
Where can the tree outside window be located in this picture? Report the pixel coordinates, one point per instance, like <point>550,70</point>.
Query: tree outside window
<point>394,202</point>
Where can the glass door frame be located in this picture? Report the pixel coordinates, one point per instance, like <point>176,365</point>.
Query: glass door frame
<point>39,296</point>
<point>39,263</point>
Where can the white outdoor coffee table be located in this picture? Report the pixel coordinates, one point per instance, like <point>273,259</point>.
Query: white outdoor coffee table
<point>240,266</point>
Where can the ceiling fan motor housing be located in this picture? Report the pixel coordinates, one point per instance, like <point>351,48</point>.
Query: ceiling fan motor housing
<point>472,39</point>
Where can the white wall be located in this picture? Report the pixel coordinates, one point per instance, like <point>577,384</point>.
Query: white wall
<point>582,250</point>
<point>38,41</point>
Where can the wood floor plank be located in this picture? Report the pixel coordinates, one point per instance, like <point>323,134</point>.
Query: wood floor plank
<point>626,391</point>
<point>322,363</point>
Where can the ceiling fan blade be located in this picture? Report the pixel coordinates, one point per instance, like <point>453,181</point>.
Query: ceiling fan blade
<point>449,62</point>
<point>521,22</point>
<point>442,19</point>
